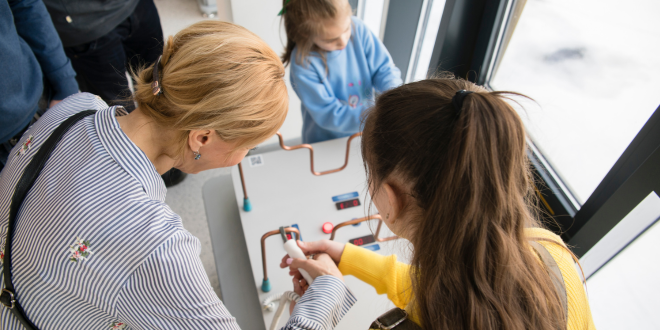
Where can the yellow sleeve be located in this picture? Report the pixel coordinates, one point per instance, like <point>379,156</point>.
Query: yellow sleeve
<point>384,273</point>
<point>579,313</point>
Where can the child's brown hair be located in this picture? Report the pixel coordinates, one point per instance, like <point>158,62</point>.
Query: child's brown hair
<point>472,265</point>
<point>303,20</point>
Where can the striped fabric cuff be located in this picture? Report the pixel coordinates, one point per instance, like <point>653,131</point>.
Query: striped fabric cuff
<point>322,306</point>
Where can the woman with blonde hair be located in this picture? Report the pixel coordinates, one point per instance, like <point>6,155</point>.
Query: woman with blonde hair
<point>90,242</point>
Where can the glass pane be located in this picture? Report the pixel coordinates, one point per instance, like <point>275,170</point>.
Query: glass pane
<point>593,66</point>
<point>625,293</point>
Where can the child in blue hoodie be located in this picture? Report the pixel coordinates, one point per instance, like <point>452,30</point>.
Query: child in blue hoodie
<point>336,63</point>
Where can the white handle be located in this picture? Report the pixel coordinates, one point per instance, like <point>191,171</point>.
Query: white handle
<point>294,251</point>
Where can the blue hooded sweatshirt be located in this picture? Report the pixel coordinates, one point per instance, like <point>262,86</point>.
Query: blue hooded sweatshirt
<point>333,102</point>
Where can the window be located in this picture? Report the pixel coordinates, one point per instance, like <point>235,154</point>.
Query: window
<point>621,280</point>
<point>592,67</point>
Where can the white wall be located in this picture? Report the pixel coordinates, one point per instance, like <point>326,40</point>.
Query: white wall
<point>260,17</point>
<point>175,15</point>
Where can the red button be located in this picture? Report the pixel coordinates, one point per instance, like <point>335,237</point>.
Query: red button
<point>327,227</point>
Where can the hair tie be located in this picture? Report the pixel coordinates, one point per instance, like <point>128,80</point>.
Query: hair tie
<point>155,84</point>
<point>457,100</point>
<point>283,11</point>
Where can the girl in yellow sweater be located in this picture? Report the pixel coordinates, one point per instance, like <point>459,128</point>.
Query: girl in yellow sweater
<point>447,170</point>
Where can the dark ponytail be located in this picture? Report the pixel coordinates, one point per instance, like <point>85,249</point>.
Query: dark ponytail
<point>472,267</point>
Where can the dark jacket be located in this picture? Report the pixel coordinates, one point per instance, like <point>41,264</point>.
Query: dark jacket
<point>81,21</point>
<point>29,50</point>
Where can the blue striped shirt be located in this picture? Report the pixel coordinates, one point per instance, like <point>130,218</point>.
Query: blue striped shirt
<point>96,247</point>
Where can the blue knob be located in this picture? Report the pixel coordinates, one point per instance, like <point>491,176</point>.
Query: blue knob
<point>247,206</point>
<point>265,285</point>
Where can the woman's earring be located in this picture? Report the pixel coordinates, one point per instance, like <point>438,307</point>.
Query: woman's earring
<point>197,155</point>
<point>387,217</point>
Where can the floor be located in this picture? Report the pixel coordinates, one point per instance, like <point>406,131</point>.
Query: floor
<point>186,198</point>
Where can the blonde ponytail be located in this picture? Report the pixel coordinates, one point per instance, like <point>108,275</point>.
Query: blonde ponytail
<point>216,75</point>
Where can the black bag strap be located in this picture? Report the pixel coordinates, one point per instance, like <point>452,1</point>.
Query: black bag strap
<point>395,318</point>
<point>29,176</point>
<point>555,274</point>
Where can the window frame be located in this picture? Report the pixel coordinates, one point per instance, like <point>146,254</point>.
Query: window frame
<point>471,41</point>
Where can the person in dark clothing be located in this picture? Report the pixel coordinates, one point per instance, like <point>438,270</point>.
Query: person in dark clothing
<point>33,61</point>
<point>105,37</point>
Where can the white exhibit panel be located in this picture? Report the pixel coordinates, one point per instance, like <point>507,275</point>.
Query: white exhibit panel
<point>624,292</point>
<point>284,192</point>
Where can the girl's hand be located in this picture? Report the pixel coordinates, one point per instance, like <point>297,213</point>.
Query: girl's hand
<point>332,248</point>
<point>321,265</point>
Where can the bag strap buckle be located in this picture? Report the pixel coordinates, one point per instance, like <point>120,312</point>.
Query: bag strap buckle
<point>7,298</point>
<point>391,318</point>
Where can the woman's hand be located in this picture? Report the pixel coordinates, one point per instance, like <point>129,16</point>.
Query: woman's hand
<point>321,265</point>
<point>332,248</point>
<point>327,257</point>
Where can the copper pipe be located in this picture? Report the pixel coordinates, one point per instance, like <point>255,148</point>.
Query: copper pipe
<point>311,152</point>
<point>367,218</point>
<point>352,222</point>
<point>311,156</point>
<point>378,239</point>
<point>263,244</point>
<point>240,171</point>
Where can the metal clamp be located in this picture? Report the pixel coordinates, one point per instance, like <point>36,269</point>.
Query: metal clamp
<point>265,285</point>
<point>394,324</point>
<point>12,299</point>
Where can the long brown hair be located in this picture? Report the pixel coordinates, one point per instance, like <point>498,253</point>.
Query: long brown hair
<point>472,265</point>
<point>303,19</point>
<point>216,75</point>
